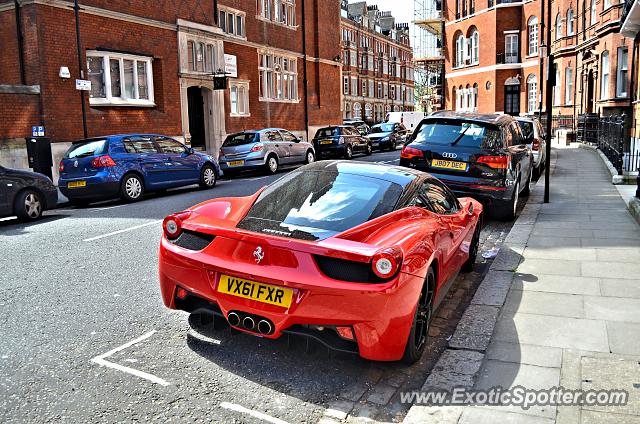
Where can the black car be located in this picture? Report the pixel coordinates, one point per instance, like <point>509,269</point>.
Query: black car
<point>387,135</point>
<point>25,194</point>
<point>358,124</point>
<point>481,156</point>
<point>341,141</point>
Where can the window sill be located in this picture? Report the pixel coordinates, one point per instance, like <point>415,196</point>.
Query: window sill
<point>121,102</point>
<point>531,55</point>
<point>280,24</point>
<point>268,100</point>
<point>235,36</point>
<point>239,115</point>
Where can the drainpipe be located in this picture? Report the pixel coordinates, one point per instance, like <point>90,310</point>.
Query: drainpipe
<point>76,10</point>
<point>215,12</point>
<point>551,76</point>
<point>304,67</point>
<point>17,7</point>
<point>540,59</point>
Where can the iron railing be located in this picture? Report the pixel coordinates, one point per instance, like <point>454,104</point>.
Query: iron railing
<point>508,57</point>
<point>587,129</point>
<point>559,122</point>
<point>611,138</point>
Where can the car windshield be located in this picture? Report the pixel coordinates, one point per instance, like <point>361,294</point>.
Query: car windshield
<point>382,128</point>
<point>86,148</point>
<point>527,129</point>
<point>312,205</point>
<point>327,132</point>
<point>458,133</point>
<point>239,139</point>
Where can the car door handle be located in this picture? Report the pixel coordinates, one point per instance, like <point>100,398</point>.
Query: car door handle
<point>451,234</point>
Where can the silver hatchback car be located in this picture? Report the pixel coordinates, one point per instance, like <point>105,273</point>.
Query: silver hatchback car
<point>266,149</point>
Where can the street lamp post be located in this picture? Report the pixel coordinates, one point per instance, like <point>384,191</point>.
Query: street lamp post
<point>76,10</point>
<point>551,76</point>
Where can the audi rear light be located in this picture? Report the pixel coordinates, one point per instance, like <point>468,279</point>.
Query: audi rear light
<point>495,162</point>
<point>257,148</point>
<point>536,144</point>
<point>172,225</point>
<point>103,162</point>
<point>411,152</point>
<point>386,262</point>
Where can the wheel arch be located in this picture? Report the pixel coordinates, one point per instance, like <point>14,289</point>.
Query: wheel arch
<point>137,173</point>
<point>43,198</point>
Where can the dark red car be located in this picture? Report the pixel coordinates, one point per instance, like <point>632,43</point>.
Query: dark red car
<point>355,255</point>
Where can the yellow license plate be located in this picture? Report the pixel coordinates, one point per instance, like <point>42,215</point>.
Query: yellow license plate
<point>261,292</point>
<point>449,164</point>
<point>76,184</point>
<point>326,142</point>
<point>236,163</point>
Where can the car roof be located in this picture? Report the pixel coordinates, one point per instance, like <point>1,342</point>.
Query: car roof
<point>486,118</point>
<point>396,174</point>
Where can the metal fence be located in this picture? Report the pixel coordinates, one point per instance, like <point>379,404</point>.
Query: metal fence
<point>587,129</point>
<point>559,122</point>
<point>611,139</point>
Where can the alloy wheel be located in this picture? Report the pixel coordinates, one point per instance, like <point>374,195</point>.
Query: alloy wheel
<point>273,164</point>
<point>32,205</point>
<point>133,187</point>
<point>209,177</point>
<point>310,157</point>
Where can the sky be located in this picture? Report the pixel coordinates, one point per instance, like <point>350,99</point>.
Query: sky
<point>401,9</point>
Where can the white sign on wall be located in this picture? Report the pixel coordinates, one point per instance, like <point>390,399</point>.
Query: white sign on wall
<point>84,85</point>
<point>231,65</point>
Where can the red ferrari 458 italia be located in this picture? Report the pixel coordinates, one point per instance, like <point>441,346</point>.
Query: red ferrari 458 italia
<point>354,255</point>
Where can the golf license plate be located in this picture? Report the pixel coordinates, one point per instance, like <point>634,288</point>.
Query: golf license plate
<point>77,184</point>
<point>449,164</point>
<point>236,163</point>
<point>265,293</point>
<point>326,142</point>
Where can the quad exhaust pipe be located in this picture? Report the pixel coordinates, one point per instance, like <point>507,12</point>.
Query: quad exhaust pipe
<point>252,323</point>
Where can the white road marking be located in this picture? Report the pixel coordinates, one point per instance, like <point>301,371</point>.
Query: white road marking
<point>105,208</point>
<point>204,338</point>
<point>388,161</point>
<point>100,360</point>
<point>123,231</point>
<point>255,414</point>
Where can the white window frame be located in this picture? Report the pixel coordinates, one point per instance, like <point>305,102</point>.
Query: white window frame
<point>273,78</point>
<point>511,41</point>
<point>109,100</point>
<point>594,12</point>
<point>532,35</point>
<point>474,47</point>
<point>568,86</point>
<point>460,51</point>
<point>604,72</point>
<point>557,90</point>
<point>242,98</point>
<point>570,28</point>
<point>345,85</point>
<point>236,14</point>
<point>559,26</point>
<point>622,72</point>
<point>532,93</point>
<point>279,12</point>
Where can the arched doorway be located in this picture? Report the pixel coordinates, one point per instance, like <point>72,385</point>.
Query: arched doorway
<point>512,96</point>
<point>590,90</point>
<point>197,125</point>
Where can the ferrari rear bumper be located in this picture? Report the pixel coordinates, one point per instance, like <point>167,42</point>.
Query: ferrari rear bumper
<point>380,315</point>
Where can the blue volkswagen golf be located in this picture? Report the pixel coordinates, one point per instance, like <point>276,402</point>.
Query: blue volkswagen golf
<point>127,166</point>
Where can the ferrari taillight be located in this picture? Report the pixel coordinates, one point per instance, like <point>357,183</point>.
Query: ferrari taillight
<point>172,225</point>
<point>386,262</point>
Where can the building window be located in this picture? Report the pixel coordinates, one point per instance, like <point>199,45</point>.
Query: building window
<point>557,89</point>
<point>346,85</point>
<point>604,80</point>
<point>278,78</point>
<point>201,57</point>
<point>282,12</point>
<point>357,110</point>
<point>532,93</point>
<point>474,47</point>
<point>347,110</point>
<point>532,26</point>
<point>558,26</point>
<point>354,86</point>
<point>232,22</point>
<point>594,12</point>
<point>570,30</point>
<point>607,4</point>
<point>460,51</point>
<point>239,98</point>
<point>621,77</point>
<point>364,88</point>
<point>120,79</point>
<point>511,46</point>
<point>475,97</point>
<point>568,86</point>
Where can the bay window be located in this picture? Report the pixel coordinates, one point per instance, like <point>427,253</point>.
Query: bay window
<point>278,78</point>
<point>120,79</point>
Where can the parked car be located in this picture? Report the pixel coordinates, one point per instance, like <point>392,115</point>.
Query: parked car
<point>536,139</point>
<point>359,124</point>
<point>25,194</point>
<point>341,141</point>
<point>354,254</point>
<point>129,165</point>
<point>410,120</point>
<point>482,156</point>
<point>266,149</point>
<point>387,136</point>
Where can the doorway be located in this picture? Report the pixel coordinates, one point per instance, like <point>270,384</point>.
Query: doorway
<point>590,88</point>
<point>195,101</point>
<point>512,99</point>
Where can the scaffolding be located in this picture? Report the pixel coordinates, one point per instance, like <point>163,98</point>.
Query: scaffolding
<point>428,55</point>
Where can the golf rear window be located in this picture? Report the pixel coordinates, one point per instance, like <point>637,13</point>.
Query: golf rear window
<point>458,133</point>
<point>327,132</point>
<point>86,148</point>
<point>527,129</point>
<point>317,204</point>
<point>239,139</point>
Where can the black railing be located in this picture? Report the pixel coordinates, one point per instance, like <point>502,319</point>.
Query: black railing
<point>559,122</point>
<point>587,128</point>
<point>508,57</point>
<point>611,138</point>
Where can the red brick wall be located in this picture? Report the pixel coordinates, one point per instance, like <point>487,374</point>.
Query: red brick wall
<point>19,112</point>
<point>9,69</point>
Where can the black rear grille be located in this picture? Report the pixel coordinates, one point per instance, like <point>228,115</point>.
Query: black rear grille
<point>193,240</point>
<point>344,270</point>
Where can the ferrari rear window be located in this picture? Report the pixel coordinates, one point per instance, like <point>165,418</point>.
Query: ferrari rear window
<point>312,205</point>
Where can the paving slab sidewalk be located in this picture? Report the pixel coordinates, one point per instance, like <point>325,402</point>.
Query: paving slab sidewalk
<point>560,306</point>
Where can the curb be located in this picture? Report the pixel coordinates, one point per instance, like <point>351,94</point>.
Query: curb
<point>461,362</point>
<point>634,208</point>
<point>615,177</point>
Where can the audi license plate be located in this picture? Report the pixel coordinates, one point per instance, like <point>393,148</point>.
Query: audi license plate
<point>449,164</point>
<point>265,293</point>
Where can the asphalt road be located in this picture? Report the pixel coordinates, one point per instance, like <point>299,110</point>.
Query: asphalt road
<point>85,336</point>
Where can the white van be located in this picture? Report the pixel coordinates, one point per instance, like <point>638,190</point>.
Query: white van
<point>410,120</point>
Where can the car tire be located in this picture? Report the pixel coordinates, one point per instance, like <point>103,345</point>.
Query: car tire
<point>310,158</point>
<point>419,334</point>
<point>526,191</point>
<point>208,177</point>
<point>131,188</point>
<point>369,150</point>
<point>508,212</point>
<point>392,146</point>
<point>473,248</point>
<point>348,153</point>
<point>28,205</point>
<point>272,164</point>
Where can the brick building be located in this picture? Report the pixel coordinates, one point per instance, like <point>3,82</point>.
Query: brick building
<point>151,66</point>
<point>377,71</point>
<point>493,50</point>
